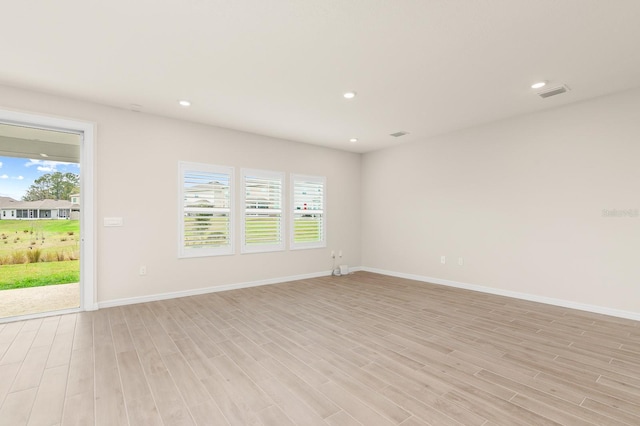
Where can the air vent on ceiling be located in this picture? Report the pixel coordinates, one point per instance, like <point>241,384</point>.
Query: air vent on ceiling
<point>554,91</point>
<point>398,134</point>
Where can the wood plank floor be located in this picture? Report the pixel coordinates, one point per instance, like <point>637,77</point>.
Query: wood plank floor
<point>362,349</point>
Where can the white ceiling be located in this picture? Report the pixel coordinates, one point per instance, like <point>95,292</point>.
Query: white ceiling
<point>279,67</point>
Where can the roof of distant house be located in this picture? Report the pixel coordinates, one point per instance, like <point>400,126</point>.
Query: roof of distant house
<point>36,205</point>
<point>6,200</point>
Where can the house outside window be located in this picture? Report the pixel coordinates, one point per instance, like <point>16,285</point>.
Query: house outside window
<point>206,217</point>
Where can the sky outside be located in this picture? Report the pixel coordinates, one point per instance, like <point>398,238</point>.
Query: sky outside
<point>17,174</point>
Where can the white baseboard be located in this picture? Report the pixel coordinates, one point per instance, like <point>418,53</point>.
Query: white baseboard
<point>205,290</point>
<point>517,295</point>
<point>500,292</point>
<point>91,307</point>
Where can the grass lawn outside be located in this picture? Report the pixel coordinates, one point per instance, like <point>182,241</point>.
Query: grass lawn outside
<point>39,274</point>
<point>53,239</point>
<point>307,229</point>
<point>46,235</point>
<point>258,229</point>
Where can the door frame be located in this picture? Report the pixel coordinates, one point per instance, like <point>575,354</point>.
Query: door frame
<point>87,130</point>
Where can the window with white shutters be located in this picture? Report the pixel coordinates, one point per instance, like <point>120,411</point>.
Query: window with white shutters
<point>206,217</point>
<point>308,224</point>
<point>262,225</point>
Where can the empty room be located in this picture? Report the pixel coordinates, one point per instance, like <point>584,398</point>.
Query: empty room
<point>410,212</point>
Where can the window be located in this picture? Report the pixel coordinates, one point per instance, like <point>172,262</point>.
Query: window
<point>262,224</point>
<point>308,227</point>
<point>206,220</point>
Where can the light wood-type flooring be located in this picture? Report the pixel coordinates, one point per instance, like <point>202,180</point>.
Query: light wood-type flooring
<point>359,349</point>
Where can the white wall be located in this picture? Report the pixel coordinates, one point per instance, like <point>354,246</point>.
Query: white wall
<point>521,200</point>
<point>137,178</point>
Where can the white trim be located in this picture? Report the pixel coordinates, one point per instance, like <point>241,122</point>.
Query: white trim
<point>514,294</point>
<point>88,220</point>
<point>268,247</point>
<point>293,177</point>
<point>87,186</point>
<point>206,290</point>
<point>39,315</point>
<point>185,252</point>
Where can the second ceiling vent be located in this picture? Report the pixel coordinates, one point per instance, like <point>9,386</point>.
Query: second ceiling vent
<point>554,91</point>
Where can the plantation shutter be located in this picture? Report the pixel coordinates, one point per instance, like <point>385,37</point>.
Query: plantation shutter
<point>309,226</point>
<point>263,218</point>
<point>206,203</point>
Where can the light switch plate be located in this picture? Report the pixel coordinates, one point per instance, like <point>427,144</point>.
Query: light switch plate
<point>113,221</point>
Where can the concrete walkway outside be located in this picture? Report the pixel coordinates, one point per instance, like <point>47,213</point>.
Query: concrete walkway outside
<point>32,300</point>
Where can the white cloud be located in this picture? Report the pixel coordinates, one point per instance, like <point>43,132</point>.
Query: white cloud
<point>0,163</point>
<point>45,165</point>
<point>4,176</point>
<point>17,177</point>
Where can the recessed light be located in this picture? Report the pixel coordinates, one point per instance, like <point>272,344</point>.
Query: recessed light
<point>43,155</point>
<point>349,95</point>
<point>538,85</point>
<point>353,140</point>
<point>185,103</point>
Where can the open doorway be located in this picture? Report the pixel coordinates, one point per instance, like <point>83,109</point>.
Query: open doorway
<point>43,234</point>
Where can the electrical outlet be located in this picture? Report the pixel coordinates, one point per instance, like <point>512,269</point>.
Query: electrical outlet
<point>443,259</point>
<point>460,261</point>
<point>143,270</point>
